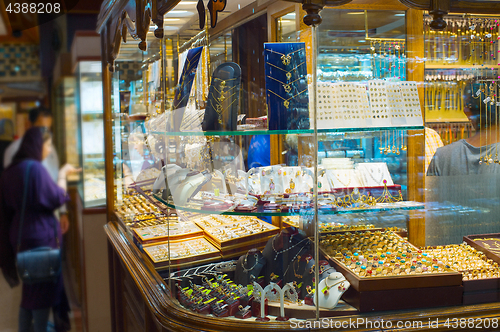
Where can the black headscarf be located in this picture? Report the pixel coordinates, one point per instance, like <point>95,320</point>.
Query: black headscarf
<point>31,145</point>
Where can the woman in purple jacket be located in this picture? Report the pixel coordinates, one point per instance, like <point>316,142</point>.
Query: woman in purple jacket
<point>43,197</point>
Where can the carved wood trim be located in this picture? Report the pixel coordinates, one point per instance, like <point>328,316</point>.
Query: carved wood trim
<point>120,18</point>
<point>439,8</point>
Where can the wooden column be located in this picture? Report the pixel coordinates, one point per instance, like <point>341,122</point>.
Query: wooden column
<point>416,138</point>
<point>108,133</point>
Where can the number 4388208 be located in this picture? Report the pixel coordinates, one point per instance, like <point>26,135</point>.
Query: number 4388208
<point>33,8</point>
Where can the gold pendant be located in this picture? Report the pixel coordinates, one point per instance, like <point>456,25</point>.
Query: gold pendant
<point>286,103</point>
<point>220,120</point>
<point>222,85</point>
<point>292,184</point>
<point>286,59</point>
<point>287,88</point>
<point>222,98</point>
<point>288,75</point>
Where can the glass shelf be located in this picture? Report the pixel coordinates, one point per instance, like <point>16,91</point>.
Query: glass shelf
<point>281,132</point>
<point>260,212</point>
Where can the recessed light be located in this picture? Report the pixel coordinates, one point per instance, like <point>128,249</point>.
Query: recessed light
<point>171,19</point>
<point>399,14</point>
<point>187,3</point>
<point>355,13</point>
<point>175,11</point>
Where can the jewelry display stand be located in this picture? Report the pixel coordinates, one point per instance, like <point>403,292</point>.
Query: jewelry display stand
<point>374,174</point>
<point>281,250</point>
<point>331,289</point>
<point>411,103</point>
<point>286,85</point>
<point>344,178</point>
<point>249,267</point>
<point>287,289</point>
<point>223,98</point>
<point>183,91</point>
<point>261,294</point>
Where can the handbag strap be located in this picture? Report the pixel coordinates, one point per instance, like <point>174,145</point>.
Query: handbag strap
<point>23,208</point>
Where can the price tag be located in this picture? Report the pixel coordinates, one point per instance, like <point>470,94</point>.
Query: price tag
<point>487,100</point>
<point>216,192</point>
<point>207,302</point>
<point>478,92</point>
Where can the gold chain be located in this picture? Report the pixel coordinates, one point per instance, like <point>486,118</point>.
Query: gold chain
<point>288,73</point>
<point>286,86</point>
<point>286,102</point>
<point>286,58</point>
<point>220,110</point>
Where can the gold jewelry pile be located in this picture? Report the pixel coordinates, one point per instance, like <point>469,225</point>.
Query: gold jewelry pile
<point>135,205</point>
<point>335,227</point>
<point>463,258</point>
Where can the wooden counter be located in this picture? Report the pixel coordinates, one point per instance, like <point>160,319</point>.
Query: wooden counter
<point>140,302</point>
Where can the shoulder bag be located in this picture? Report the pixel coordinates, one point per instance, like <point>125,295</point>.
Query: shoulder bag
<point>41,264</point>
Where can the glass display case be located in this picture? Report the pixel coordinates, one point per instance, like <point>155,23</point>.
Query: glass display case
<point>278,174</point>
<point>90,133</point>
<point>65,110</point>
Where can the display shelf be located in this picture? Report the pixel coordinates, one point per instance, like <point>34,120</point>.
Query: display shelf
<point>282,132</point>
<point>465,67</point>
<point>260,212</point>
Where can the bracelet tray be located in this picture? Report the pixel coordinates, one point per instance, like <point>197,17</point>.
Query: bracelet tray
<point>400,292</point>
<point>482,290</point>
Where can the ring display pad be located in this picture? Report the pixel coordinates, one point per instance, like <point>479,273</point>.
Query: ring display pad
<point>342,105</point>
<point>395,104</point>
<point>379,103</point>
<point>174,231</point>
<point>328,113</point>
<point>350,106</point>
<point>286,85</point>
<point>182,252</point>
<point>377,291</point>
<point>411,104</point>
<point>374,174</point>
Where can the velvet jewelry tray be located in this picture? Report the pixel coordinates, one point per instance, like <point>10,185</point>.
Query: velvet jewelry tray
<point>412,291</point>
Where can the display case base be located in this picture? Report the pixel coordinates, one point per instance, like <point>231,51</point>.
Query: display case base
<point>408,298</point>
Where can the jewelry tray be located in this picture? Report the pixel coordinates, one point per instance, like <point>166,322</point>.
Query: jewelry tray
<point>400,292</point>
<point>237,245</point>
<point>482,290</point>
<point>478,291</point>
<point>212,255</point>
<point>178,230</point>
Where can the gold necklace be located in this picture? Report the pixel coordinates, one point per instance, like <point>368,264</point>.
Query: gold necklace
<point>285,58</point>
<point>221,95</point>
<point>288,73</point>
<point>286,86</point>
<point>220,110</point>
<point>286,102</point>
<point>180,89</point>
